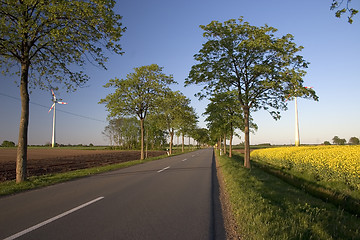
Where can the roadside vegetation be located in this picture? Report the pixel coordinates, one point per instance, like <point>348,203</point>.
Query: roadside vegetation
<point>265,207</point>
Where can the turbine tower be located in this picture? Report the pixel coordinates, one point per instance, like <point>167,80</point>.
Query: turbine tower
<point>54,100</point>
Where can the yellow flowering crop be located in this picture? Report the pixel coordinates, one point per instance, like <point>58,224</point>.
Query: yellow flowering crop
<point>326,163</point>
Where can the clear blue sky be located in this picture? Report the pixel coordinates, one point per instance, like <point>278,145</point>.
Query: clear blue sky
<point>167,33</point>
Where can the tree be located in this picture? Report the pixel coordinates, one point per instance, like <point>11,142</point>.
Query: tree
<point>124,132</point>
<point>8,144</point>
<point>337,5</point>
<point>327,143</point>
<point>250,60</point>
<point>223,118</point>
<point>187,124</point>
<point>201,135</point>
<point>173,107</point>
<point>354,141</point>
<point>137,95</point>
<point>338,141</point>
<point>45,39</point>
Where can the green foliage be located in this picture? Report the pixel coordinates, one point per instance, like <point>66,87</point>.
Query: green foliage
<point>8,144</point>
<point>201,135</point>
<point>259,67</point>
<point>52,36</point>
<point>337,5</point>
<point>339,141</point>
<point>123,132</point>
<point>327,143</point>
<point>354,141</point>
<point>138,93</point>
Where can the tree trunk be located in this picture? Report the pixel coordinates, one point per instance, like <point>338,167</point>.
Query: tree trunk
<point>247,136</point>
<point>147,142</point>
<point>189,142</point>
<point>21,156</point>
<point>171,140</point>
<point>220,144</point>
<point>142,139</point>
<point>182,139</point>
<point>225,143</point>
<point>231,138</point>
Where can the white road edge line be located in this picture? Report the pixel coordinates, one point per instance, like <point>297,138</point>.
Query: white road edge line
<point>163,169</point>
<point>51,220</point>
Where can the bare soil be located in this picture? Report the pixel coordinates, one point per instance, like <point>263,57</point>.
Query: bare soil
<point>46,161</point>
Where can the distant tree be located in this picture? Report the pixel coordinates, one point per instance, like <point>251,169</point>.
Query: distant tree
<point>124,132</point>
<point>137,95</point>
<point>8,144</point>
<point>327,143</point>
<point>338,141</point>
<point>340,9</point>
<point>201,135</point>
<point>171,110</point>
<point>187,124</point>
<point>261,68</point>
<point>224,117</point>
<point>45,39</point>
<point>354,141</point>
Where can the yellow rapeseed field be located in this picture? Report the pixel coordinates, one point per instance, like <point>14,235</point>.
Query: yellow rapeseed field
<point>325,163</point>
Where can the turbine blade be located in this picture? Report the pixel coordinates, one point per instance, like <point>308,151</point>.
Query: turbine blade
<point>51,107</point>
<point>62,102</point>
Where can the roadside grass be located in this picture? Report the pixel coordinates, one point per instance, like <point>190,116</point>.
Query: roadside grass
<point>11,187</point>
<point>265,207</point>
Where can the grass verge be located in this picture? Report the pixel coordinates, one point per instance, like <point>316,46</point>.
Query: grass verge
<point>10,187</point>
<point>265,207</point>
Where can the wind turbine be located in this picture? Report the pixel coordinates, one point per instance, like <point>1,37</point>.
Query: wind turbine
<point>54,100</point>
<point>297,131</point>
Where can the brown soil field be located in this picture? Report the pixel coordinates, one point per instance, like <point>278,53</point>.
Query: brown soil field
<point>45,161</point>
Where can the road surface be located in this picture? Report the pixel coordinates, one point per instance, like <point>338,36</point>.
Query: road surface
<point>172,198</point>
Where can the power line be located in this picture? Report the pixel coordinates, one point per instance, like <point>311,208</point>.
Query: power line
<point>40,105</point>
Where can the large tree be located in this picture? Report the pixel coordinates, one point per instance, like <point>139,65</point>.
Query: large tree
<point>138,94</point>
<point>45,38</point>
<point>261,68</point>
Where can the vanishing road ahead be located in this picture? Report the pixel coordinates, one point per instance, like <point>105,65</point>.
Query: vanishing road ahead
<point>172,198</point>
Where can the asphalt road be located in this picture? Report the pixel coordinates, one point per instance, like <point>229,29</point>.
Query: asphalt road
<point>172,198</point>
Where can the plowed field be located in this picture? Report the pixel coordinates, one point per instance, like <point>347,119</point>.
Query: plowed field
<point>45,161</point>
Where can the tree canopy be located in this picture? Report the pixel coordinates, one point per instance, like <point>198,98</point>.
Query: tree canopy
<point>44,39</point>
<point>173,112</point>
<point>261,68</point>
<point>138,94</point>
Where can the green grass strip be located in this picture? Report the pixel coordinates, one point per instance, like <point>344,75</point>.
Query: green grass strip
<point>265,207</point>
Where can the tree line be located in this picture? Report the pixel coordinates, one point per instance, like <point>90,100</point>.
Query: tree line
<point>45,39</point>
<point>144,96</point>
<point>342,141</point>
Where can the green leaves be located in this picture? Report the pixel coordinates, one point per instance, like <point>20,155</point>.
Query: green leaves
<point>54,35</point>
<point>337,4</point>
<point>252,62</point>
<point>138,93</point>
